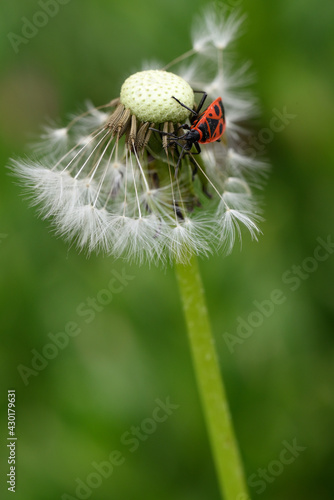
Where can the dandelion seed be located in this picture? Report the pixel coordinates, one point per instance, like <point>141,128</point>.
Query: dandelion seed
<point>110,182</point>
<point>53,139</point>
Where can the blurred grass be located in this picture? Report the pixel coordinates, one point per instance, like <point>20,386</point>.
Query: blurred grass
<point>280,380</point>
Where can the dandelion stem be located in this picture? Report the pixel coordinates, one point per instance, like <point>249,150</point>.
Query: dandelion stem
<point>212,392</point>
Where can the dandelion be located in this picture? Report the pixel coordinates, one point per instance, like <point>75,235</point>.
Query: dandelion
<point>108,181</point>
<point>119,179</point>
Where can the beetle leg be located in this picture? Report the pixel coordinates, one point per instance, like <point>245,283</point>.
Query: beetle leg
<point>185,126</point>
<point>204,96</point>
<point>195,168</point>
<point>198,148</point>
<point>162,132</point>
<point>179,160</point>
<point>184,106</point>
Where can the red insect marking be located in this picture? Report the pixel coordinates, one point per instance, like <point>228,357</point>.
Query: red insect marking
<point>211,123</point>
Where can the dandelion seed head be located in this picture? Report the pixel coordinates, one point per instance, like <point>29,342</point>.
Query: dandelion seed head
<point>148,95</point>
<point>122,179</point>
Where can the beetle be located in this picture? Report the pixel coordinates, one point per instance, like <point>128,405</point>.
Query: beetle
<point>204,127</point>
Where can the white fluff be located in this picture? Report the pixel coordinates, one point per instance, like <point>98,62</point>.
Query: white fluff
<point>218,27</point>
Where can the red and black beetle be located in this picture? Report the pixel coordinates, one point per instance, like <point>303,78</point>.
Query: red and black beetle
<point>204,127</point>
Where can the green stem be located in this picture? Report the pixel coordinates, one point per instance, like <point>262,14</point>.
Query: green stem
<point>225,450</point>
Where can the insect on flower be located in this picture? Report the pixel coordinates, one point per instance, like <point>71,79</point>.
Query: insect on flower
<point>204,128</point>
<point>109,183</point>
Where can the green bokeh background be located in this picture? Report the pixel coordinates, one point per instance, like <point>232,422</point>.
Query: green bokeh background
<point>279,380</point>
